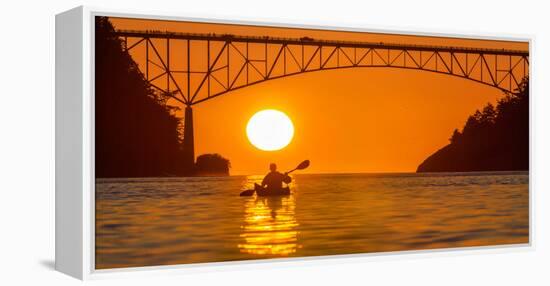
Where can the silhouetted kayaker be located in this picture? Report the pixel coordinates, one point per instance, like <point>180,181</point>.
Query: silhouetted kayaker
<point>274,180</point>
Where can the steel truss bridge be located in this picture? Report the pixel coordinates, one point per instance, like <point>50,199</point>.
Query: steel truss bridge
<point>193,68</point>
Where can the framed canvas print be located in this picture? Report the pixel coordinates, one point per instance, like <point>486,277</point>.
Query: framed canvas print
<point>195,141</point>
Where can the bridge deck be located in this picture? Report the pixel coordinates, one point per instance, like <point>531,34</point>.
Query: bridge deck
<point>306,41</point>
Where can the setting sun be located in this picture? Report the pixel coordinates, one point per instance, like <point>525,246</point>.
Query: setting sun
<point>270,130</point>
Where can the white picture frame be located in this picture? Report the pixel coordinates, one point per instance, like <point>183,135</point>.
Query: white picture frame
<point>74,168</point>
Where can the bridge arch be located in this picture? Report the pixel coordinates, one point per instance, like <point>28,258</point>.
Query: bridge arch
<point>504,90</point>
<point>229,61</point>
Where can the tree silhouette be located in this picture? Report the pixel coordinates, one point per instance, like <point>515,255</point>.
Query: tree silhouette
<point>212,164</point>
<point>136,133</point>
<point>456,136</point>
<point>494,139</point>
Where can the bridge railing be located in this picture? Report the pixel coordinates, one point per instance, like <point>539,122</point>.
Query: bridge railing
<point>310,41</point>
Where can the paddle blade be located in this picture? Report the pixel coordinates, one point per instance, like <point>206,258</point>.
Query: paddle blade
<point>303,165</point>
<point>247,193</point>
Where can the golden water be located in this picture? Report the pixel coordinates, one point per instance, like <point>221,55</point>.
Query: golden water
<point>165,221</point>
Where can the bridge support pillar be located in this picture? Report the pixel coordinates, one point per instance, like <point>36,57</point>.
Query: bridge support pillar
<point>188,142</point>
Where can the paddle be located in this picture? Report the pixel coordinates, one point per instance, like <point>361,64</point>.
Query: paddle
<point>301,166</point>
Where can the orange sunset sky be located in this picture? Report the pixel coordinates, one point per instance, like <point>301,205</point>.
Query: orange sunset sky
<point>345,120</point>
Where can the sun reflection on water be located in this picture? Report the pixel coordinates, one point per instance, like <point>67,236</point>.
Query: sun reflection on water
<point>269,226</point>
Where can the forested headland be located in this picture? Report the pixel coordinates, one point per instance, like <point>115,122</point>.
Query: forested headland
<point>493,139</point>
<point>137,134</point>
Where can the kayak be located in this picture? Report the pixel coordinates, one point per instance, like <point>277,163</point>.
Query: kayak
<point>265,193</point>
<point>262,192</point>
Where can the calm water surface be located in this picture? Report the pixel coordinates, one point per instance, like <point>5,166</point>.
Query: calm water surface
<point>160,221</point>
